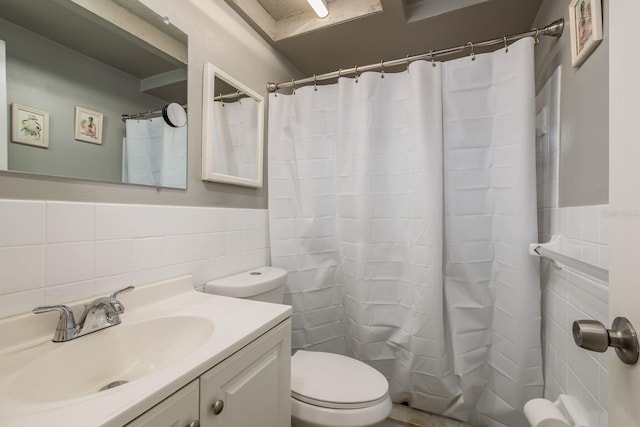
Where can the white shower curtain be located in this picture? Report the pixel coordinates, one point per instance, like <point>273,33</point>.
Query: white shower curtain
<point>154,153</point>
<point>421,271</point>
<point>236,136</point>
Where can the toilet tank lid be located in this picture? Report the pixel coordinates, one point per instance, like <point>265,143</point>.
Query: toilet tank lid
<point>332,379</point>
<point>248,283</point>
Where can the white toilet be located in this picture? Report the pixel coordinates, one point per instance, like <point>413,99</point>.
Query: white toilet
<point>327,390</point>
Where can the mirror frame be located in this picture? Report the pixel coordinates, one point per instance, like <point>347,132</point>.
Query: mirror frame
<point>208,140</point>
<point>4,122</point>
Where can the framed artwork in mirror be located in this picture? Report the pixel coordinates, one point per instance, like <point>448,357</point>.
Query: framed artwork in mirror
<point>29,126</point>
<point>585,17</point>
<point>232,130</point>
<point>88,126</point>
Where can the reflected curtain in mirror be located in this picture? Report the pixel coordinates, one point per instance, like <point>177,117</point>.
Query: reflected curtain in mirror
<point>236,133</point>
<point>154,153</point>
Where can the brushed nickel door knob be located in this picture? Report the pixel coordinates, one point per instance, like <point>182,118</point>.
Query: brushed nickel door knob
<point>592,335</point>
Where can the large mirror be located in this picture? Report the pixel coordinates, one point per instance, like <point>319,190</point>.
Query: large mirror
<point>91,88</point>
<point>233,128</point>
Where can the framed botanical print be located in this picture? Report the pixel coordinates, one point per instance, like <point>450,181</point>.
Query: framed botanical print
<point>585,17</point>
<point>88,125</point>
<point>29,126</point>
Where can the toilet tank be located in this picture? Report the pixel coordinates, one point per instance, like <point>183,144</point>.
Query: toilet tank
<point>260,284</point>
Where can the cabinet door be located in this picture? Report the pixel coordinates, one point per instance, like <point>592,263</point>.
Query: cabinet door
<point>251,387</point>
<point>178,410</point>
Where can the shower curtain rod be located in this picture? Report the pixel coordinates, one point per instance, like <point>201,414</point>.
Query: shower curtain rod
<point>235,95</point>
<point>145,114</point>
<point>554,30</point>
<point>156,113</point>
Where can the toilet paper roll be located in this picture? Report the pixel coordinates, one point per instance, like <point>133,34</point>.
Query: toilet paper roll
<point>543,413</point>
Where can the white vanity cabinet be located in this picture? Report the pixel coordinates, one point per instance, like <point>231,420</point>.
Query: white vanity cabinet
<point>252,387</point>
<point>181,409</point>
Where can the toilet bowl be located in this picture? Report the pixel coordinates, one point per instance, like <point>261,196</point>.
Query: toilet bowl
<point>333,390</point>
<point>327,390</point>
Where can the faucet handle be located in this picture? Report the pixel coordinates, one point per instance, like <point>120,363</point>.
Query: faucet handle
<point>122,291</point>
<point>66,323</point>
<point>117,305</point>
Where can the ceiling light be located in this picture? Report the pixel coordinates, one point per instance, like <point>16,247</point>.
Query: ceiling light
<point>319,7</point>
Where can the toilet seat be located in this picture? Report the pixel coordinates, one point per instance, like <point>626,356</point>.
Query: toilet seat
<point>334,381</point>
<point>334,405</point>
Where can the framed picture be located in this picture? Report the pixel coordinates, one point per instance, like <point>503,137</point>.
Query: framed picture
<point>586,28</point>
<point>29,126</point>
<point>88,125</point>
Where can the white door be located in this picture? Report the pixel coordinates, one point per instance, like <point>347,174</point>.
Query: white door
<point>624,201</point>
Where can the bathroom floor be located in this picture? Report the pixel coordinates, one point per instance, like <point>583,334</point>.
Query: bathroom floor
<point>403,416</point>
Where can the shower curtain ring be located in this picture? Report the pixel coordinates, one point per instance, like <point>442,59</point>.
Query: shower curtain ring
<point>382,66</point>
<point>238,97</point>
<point>221,100</point>
<point>536,38</point>
<point>315,83</point>
<point>339,73</point>
<point>293,85</point>
<point>506,46</point>
<point>433,63</point>
<point>473,54</point>
<point>408,62</point>
<point>356,74</point>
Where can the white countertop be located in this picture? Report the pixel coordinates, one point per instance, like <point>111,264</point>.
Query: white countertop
<point>26,337</point>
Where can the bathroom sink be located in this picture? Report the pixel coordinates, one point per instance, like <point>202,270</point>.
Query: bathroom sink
<point>170,335</point>
<point>107,359</point>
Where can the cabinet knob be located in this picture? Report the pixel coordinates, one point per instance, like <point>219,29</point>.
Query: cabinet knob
<point>217,407</point>
<point>194,423</point>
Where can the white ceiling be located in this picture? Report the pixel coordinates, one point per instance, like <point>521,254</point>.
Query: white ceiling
<point>282,9</point>
<point>281,19</point>
<point>360,32</point>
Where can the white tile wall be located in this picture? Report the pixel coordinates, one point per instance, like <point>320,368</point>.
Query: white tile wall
<point>22,223</point>
<point>114,221</point>
<point>70,222</point>
<point>57,252</point>
<point>569,295</point>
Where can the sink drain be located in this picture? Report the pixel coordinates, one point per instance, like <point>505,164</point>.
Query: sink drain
<point>113,384</point>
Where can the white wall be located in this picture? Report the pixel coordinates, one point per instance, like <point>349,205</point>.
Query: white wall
<point>568,295</point>
<point>57,252</point>
<point>53,252</point>
<point>573,178</point>
<point>217,35</point>
<point>584,153</point>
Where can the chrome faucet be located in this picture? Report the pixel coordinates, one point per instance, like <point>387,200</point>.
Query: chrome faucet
<point>101,313</point>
